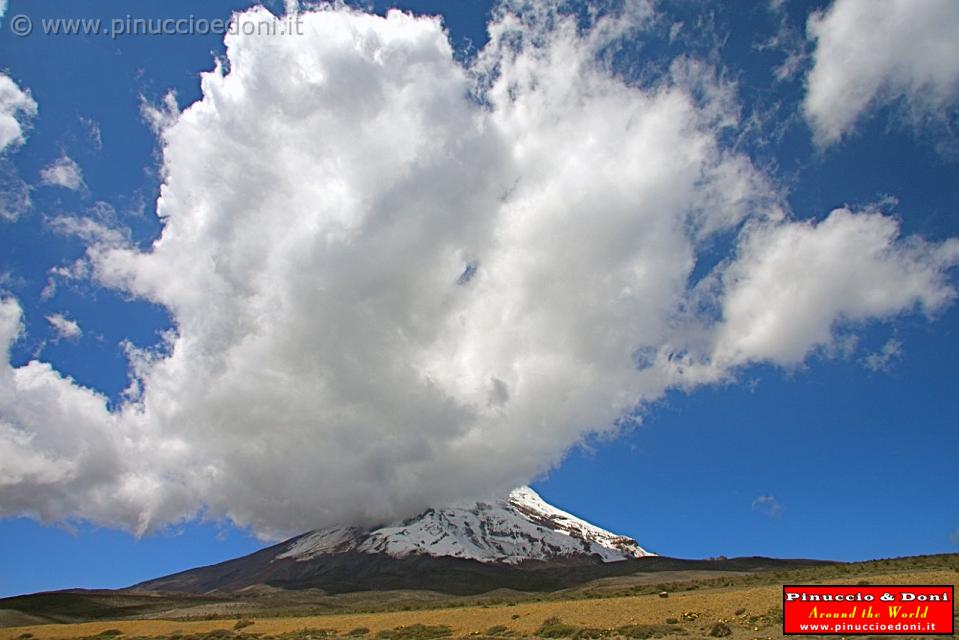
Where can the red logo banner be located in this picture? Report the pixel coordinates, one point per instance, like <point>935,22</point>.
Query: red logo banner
<point>872,610</point>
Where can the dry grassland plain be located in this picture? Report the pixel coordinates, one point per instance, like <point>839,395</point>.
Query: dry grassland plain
<point>715,611</point>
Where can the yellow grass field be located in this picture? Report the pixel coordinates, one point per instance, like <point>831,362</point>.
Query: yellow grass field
<point>750,612</point>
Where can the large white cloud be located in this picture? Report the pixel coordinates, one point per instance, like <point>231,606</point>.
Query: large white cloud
<point>388,294</point>
<point>873,52</point>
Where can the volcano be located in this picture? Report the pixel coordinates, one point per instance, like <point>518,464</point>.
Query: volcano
<point>520,541</point>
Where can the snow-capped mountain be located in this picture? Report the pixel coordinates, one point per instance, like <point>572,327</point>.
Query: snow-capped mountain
<point>520,528</point>
<point>519,542</point>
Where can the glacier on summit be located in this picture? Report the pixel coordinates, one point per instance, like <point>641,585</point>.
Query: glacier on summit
<point>518,528</point>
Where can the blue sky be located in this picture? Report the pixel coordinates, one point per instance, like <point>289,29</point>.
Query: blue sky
<point>845,451</point>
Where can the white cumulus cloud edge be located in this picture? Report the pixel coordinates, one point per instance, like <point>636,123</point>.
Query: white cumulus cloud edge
<point>870,53</point>
<point>388,294</point>
<point>16,107</point>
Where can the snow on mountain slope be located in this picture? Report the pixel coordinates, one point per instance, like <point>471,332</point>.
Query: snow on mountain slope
<point>521,527</point>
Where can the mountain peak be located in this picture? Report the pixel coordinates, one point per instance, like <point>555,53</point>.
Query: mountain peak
<point>519,528</point>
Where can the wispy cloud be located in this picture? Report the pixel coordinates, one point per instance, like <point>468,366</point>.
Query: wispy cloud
<point>63,172</point>
<point>768,505</point>
<point>14,193</point>
<point>65,327</point>
<point>93,132</point>
<point>883,359</point>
